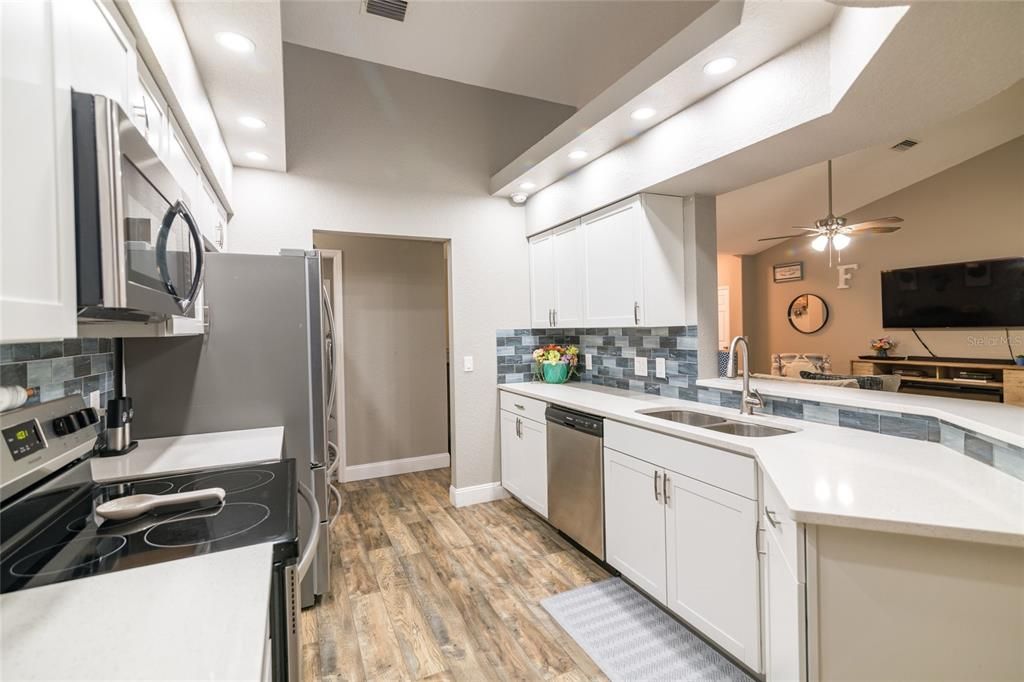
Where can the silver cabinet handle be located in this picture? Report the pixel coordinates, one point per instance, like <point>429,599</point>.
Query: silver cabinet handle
<point>519,427</point>
<point>770,515</point>
<point>554,317</point>
<point>518,406</point>
<point>657,475</point>
<point>636,312</point>
<point>664,487</point>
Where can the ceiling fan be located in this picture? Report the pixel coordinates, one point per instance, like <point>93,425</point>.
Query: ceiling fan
<point>833,233</point>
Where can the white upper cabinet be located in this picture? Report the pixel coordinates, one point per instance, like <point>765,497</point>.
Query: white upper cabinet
<point>37,229</point>
<point>542,280</point>
<point>567,243</point>
<point>101,53</point>
<point>613,292</point>
<point>619,266</point>
<point>556,277</point>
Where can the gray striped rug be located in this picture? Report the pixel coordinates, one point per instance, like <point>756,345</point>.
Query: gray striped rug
<point>631,639</point>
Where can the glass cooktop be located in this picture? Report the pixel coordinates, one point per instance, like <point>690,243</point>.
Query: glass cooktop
<point>259,507</point>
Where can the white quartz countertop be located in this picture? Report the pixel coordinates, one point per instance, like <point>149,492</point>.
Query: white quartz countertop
<point>202,618</point>
<point>1005,422</point>
<point>188,453</point>
<point>836,476</point>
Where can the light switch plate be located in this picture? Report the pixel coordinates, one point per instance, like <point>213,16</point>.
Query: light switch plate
<point>467,363</point>
<point>659,367</point>
<point>589,360</point>
<point>640,367</point>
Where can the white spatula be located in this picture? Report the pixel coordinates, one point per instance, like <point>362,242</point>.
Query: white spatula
<point>130,506</point>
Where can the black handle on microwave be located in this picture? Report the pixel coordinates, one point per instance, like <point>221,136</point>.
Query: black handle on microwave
<point>179,209</point>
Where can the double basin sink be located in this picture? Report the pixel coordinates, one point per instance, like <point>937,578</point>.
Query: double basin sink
<point>713,422</point>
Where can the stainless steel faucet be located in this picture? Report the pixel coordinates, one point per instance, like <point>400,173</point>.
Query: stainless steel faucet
<point>750,397</point>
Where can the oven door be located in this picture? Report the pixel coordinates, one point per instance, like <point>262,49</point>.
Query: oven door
<point>139,250</point>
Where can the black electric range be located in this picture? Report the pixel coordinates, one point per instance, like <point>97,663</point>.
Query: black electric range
<point>61,537</point>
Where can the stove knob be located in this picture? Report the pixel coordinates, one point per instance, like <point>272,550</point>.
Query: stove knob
<point>87,417</point>
<point>64,426</point>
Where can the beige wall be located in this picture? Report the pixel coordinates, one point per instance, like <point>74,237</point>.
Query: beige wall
<point>377,150</point>
<point>394,298</point>
<point>972,211</point>
<point>730,274</point>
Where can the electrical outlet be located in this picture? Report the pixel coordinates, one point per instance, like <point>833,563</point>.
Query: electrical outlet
<point>589,360</point>
<point>94,400</point>
<point>467,363</point>
<point>640,366</point>
<point>659,367</point>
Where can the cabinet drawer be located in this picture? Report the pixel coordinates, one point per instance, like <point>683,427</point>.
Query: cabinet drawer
<point>720,468</point>
<point>786,532</point>
<point>523,406</point>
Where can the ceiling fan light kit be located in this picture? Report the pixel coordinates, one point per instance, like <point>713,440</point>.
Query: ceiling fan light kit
<point>833,232</point>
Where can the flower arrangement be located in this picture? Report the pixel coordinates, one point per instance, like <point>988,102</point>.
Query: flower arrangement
<point>883,345</point>
<point>555,364</point>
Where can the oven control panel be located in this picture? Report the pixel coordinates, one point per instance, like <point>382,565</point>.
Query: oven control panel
<point>39,439</point>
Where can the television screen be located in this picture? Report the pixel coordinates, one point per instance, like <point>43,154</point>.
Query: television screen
<point>976,294</point>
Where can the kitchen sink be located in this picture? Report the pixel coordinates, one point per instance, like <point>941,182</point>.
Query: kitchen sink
<point>747,430</point>
<point>687,417</point>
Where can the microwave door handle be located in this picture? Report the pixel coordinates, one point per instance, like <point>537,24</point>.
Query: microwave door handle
<point>179,209</point>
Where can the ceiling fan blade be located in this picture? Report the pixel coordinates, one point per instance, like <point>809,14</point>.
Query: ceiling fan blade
<point>788,236</point>
<point>876,222</point>
<point>877,229</point>
<point>806,229</point>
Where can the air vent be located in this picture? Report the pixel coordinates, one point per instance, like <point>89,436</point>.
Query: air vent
<point>904,145</point>
<point>389,9</point>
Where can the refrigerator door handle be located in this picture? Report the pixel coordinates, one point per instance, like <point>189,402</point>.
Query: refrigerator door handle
<point>306,560</point>
<point>330,351</point>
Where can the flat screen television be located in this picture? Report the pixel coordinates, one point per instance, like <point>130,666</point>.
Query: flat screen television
<point>975,294</point>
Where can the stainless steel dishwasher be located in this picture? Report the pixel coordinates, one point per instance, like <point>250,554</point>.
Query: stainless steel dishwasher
<point>576,477</point>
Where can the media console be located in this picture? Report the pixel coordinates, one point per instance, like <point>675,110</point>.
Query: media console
<point>942,377</point>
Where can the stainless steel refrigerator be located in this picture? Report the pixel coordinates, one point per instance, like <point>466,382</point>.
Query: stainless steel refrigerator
<point>264,361</point>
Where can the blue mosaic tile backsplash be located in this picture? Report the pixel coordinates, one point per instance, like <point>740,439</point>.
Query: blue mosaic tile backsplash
<point>614,351</point>
<point>59,368</point>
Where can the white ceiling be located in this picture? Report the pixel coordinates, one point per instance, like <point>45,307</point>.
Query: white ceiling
<point>768,208</point>
<point>565,51</point>
<point>241,84</point>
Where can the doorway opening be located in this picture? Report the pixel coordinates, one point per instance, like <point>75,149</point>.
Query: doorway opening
<point>390,298</point>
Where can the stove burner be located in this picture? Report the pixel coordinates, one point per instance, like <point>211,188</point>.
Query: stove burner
<point>84,552</point>
<point>107,525</point>
<point>231,481</point>
<point>200,527</point>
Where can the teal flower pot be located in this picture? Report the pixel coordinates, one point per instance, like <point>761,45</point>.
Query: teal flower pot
<point>555,374</point>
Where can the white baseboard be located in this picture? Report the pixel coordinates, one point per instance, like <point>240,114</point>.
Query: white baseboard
<point>475,494</point>
<point>393,467</point>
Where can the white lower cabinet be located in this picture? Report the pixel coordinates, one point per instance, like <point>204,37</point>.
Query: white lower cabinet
<point>784,592</point>
<point>635,521</point>
<point>524,460</point>
<point>712,564</point>
<point>687,543</point>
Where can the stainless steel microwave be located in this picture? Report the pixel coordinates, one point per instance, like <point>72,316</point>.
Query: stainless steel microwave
<point>138,249</point>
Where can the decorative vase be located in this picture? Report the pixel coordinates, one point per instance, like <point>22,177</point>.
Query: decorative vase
<point>881,353</point>
<point>1019,360</point>
<point>557,373</point>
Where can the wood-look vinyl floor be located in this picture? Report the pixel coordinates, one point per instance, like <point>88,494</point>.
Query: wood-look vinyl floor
<point>422,590</point>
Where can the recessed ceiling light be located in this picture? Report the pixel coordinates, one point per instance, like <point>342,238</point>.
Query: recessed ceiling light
<point>519,198</point>
<point>526,185</point>
<point>642,114</point>
<point>577,154</point>
<point>256,156</point>
<point>235,42</point>
<point>720,65</point>
<point>252,122</point>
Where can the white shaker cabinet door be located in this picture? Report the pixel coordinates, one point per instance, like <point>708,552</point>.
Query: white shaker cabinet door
<point>533,458</point>
<point>613,290</point>
<point>567,242</point>
<point>712,564</point>
<point>542,280</point>
<point>37,222</point>
<point>635,521</point>
<point>784,603</point>
<point>510,452</point>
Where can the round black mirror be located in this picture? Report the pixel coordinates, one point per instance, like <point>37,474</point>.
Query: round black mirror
<point>808,313</point>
